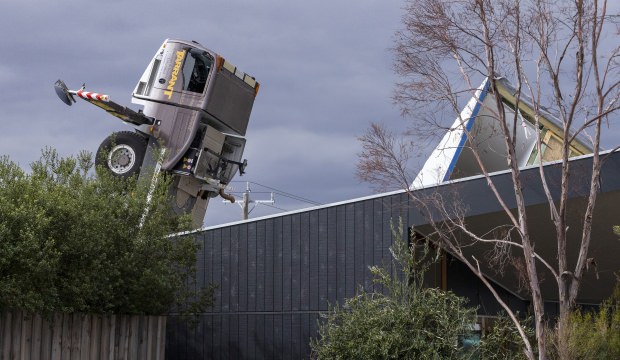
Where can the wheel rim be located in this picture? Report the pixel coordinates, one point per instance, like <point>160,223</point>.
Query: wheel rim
<point>121,159</point>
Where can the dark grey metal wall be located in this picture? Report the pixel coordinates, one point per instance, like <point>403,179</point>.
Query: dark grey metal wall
<point>276,275</point>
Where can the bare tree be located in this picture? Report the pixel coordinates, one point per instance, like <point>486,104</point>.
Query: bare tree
<point>556,55</point>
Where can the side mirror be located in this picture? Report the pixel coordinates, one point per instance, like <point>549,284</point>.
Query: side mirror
<point>63,92</point>
<point>242,166</point>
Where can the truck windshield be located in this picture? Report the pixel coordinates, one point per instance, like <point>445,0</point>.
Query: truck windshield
<point>196,69</point>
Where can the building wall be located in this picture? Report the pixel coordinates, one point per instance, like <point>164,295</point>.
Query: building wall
<point>276,275</point>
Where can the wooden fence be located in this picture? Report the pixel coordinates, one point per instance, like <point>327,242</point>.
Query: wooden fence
<point>81,336</point>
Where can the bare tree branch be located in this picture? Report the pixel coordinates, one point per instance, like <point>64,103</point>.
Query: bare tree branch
<point>551,51</point>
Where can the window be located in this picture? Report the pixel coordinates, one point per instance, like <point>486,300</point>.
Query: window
<point>196,69</point>
<point>552,148</point>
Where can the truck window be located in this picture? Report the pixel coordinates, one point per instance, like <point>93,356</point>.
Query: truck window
<point>195,71</point>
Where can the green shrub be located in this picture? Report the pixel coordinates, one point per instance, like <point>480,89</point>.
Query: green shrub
<point>594,334</point>
<point>71,241</point>
<point>408,322</point>
<point>503,342</point>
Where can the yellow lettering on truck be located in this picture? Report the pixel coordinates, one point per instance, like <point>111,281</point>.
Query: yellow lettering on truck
<point>175,73</point>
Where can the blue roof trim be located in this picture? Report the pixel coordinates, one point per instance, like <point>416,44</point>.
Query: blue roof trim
<point>470,124</point>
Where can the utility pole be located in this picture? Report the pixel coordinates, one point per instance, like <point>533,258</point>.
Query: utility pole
<point>245,203</point>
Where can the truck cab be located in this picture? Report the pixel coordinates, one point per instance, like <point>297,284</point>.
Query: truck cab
<point>197,98</point>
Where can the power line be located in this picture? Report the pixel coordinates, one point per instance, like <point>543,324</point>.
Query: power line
<point>253,192</point>
<point>285,194</point>
<point>275,207</point>
<point>271,206</point>
<point>246,201</point>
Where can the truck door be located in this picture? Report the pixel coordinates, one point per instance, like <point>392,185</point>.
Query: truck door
<point>183,75</point>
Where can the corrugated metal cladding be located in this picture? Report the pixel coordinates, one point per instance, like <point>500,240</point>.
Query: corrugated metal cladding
<point>276,275</point>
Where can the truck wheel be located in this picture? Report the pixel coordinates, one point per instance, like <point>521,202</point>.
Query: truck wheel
<point>122,153</point>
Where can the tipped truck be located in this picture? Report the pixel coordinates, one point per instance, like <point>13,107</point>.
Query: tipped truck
<point>195,111</point>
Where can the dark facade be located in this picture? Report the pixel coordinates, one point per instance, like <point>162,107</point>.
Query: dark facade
<point>276,275</point>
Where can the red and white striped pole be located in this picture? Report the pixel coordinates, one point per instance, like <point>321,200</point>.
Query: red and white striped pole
<point>88,95</point>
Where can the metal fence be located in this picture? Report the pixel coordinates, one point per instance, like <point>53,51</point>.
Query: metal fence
<point>81,336</point>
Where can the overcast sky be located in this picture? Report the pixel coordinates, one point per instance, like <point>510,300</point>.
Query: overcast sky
<point>324,66</point>
<point>325,70</point>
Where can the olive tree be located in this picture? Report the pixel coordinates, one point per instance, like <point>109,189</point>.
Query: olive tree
<point>71,241</point>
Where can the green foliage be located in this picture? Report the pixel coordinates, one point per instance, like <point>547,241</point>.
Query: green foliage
<point>410,322</point>
<point>70,241</point>
<point>616,230</point>
<point>595,334</point>
<point>503,341</point>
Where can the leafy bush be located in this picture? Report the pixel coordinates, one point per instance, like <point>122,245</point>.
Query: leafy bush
<point>594,334</point>
<point>503,341</point>
<point>72,241</point>
<point>409,322</point>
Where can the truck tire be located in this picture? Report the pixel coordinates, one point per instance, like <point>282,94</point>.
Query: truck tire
<point>122,153</point>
